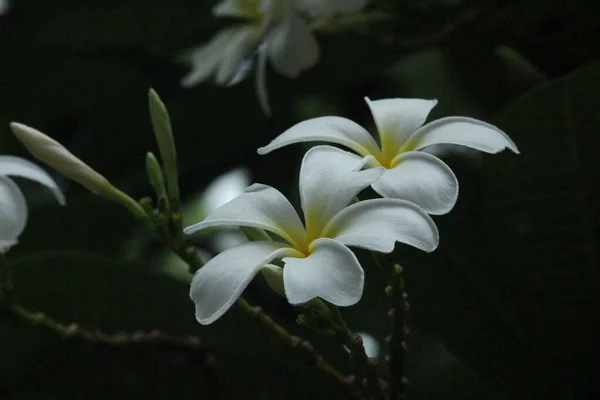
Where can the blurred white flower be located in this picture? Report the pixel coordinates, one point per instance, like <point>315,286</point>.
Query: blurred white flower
<point>4,6</point>
<point>225,188</point>
<point>274,29</point>
<point>370,344</point>
<point>13,207</point>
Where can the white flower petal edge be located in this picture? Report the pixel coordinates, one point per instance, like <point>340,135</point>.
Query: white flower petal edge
<point>13,213</point>
<point>378,224</point>
<point>336,130</point>
<point>260,206</point>
<point>330,179</point>
<point>291,46</point>
<point>463,131</point>
<point>422,179</point>
<point>397,120</point>
<point>15,166</point>
<point>329,8</point>
<point>330,272</point>
<point>217,285</point>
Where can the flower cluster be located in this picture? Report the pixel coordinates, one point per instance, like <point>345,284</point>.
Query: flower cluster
<point>317,262</point>
<point>276,29</point>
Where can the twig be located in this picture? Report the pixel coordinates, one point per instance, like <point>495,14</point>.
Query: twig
<point>302,347</point>
<point>397,340</point>
<point>154,338</point>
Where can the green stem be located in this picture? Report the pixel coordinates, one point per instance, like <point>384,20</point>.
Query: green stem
<point>399,334</point>
<point>302,347</point>
<point>367,368</point>
<point>6,285</point>
<point>132,206</point>
<point>74,331</point>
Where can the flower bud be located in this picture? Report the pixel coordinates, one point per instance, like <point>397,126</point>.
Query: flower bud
<point>274,277</point>
<point>52,153</point>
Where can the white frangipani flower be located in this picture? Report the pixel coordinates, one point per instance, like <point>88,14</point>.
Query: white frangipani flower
<point>13,207</point>
<point>411,174</point>
<point>317,261</point>
<point>275,28</point>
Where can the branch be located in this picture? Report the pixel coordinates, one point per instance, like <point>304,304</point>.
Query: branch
<point>397,340</point>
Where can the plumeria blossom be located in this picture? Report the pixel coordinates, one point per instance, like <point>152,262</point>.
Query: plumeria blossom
<point>411,174</point>
<point>13,207</point>
<point>317,260</point>
<point>275,28</point>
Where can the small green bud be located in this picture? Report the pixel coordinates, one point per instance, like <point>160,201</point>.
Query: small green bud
<point>319,306</point>
<point>255,234</point>
<point>161,123</point>
<point>55,155</point>
<point>155,176</point>
<point>274,277</point>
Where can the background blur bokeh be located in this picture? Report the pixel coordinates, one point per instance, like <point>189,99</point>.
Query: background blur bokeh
<point>508,306</point>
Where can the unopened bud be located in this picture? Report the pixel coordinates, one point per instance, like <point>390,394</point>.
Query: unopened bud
<point>274,277</point>
<point>54,154</point>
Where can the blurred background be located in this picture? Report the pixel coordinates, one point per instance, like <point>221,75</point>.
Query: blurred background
<point>507,307</point>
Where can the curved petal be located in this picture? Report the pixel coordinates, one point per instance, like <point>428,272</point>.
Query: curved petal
<point>291,45</point>
<point>463,131</point>
<point>397,120</point>
<point>236,9</point>
<point>330,8</point>
<point>337,130</point>
<point>262,92</point>
<point>379,223</point>
<point>13,212</point>
<point>16,166</point>
<point>329,179</point>
<point>331,272</point>
<point>242,43</point>
<point>218,284</point>
<point>260,206</point>
<point>422,179</point>
<point>206,58</point>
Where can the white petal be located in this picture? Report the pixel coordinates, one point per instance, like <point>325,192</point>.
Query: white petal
<point>397,120</point>
<point>225,188</point>
<point>463,131</point>
<point>235,8</point>
<point>422,179</point>
<point>329,8</point>
<point>262,92</point>
<point>218,284</point>
<point>16,166</point>
<point>330,272</point>
<point>327,129</point>
<point>291,46</point>
<point>330,179</point>
<point>240,46</point>
<point>260,206</point>
<point>13,212</point>
<point>205,59</point>
<point>379,223</point>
